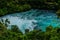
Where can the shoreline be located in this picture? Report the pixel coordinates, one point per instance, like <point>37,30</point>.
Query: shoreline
<point>22,11</point>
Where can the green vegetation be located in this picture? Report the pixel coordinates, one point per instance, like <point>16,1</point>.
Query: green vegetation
<point>15,34</point>
<point>13,6</point>
<point>58,13</point>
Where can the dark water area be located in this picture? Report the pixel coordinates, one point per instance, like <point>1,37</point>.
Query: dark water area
<point>33,19</point>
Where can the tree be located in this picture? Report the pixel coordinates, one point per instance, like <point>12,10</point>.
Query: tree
<point>14,28</point>
<point>58,13</point>
<point>26,31</point>
<point>49,28</point>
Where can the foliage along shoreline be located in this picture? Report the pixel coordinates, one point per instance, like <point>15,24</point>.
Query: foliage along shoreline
<point>15,34</point>
<point>12,6</point>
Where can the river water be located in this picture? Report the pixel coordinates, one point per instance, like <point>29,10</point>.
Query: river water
<point>33,19</point>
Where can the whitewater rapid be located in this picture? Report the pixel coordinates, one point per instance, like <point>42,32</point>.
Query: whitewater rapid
<point>33,19</point>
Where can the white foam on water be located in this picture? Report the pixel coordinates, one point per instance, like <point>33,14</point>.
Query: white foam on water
<point>32,18</point>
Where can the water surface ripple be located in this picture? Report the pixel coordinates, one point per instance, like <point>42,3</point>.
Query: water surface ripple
<point>33,19</point>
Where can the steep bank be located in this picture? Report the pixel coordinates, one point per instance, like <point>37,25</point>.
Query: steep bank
<point>13,6</point>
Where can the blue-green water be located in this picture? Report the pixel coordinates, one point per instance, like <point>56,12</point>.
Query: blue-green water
<point>33,19</point>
